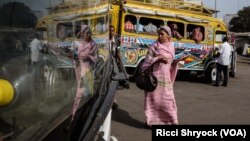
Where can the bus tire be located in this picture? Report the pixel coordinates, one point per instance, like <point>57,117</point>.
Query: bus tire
<point>210,73</point>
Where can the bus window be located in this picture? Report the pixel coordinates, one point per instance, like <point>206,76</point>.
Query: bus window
<point>130,21</point>
<point>195,32</point>
<point>149,25</point>
<point>100,25</point>
<point>219,35</point>
<point>106,24</point>
<point>177,29</point>
<point>51,30</point>
<point>64,30</point>
<point>78,27</point>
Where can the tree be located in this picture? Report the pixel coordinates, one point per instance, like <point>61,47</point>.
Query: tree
<point>242,22</point>
<point>16,14</point>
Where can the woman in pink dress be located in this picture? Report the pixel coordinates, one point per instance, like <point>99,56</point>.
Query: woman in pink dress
<point>160,106</point>
<point>87,54</point>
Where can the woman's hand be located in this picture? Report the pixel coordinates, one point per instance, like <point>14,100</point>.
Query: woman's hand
<point>161,59</point>
<point>177,60</point>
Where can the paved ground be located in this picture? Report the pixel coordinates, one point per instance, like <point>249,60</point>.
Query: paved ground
<point>198,103</point>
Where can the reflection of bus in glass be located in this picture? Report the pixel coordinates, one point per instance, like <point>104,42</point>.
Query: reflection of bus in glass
<point>138,23</point>
<point>63,27</point>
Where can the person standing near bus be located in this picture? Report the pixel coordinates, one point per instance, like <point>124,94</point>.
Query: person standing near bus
<point>114,41</point>
<point>160,106</point>
<point>35,47</point>
<point>223,61</point>
<point>113,47</point>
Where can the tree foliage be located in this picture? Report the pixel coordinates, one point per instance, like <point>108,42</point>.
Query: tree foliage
<point>16,14</point>
<point>242,22</point>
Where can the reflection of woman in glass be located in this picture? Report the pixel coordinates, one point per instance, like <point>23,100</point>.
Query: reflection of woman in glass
<point>87,53</point>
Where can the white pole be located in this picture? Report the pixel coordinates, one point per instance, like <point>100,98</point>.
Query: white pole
<point>215,8</point>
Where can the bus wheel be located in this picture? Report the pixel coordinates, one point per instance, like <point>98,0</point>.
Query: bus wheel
<point>210,73</point>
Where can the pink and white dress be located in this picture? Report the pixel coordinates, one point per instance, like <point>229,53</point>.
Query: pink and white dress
<point>160,106</point>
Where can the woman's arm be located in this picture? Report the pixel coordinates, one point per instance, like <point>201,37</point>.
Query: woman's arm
<point>166,54</point>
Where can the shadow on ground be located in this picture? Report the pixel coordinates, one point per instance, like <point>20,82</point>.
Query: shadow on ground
<point>122,116</point>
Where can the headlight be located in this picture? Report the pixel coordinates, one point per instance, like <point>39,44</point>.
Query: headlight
<point>6,92</point>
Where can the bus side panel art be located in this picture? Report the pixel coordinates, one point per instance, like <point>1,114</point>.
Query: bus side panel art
<point>133,50</point>
<point>193,56</point>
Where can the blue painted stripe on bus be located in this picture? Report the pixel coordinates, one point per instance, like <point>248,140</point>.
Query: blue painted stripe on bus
<point>191,64</point>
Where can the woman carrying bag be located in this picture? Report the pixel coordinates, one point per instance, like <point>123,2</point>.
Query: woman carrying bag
<point>160,106</point>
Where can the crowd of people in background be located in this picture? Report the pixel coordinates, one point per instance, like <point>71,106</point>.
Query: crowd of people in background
<point>150,28</point>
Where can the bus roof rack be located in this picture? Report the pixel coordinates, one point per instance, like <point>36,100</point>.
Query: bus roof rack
<point>176,4</point>
<point>169,4</point>
<point>71,4</point>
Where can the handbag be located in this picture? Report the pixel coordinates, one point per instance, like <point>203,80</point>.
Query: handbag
<point>146,80</point>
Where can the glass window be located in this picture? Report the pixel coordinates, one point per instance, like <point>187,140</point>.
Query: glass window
<point>79,25</point>
<point>64,30</point>
<point>51,30</point>
<point>177,29</point>
<point>219,35</point>
<point>148,25</point>
<point>129,24</point>
<point>100,25</point>
<point>195,32</point>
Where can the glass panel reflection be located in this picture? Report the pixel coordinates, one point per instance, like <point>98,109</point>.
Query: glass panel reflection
<point>56,69</point>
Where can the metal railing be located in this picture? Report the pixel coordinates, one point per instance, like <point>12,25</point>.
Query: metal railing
<point>78,4</point>
<point>169,4</point>
<point>176,4</point>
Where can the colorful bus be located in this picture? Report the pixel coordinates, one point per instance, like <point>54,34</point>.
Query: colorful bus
<point>137,22</point>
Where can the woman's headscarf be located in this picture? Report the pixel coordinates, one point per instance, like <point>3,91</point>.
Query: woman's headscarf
<point>166,29</point>
<point>85,28</point>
